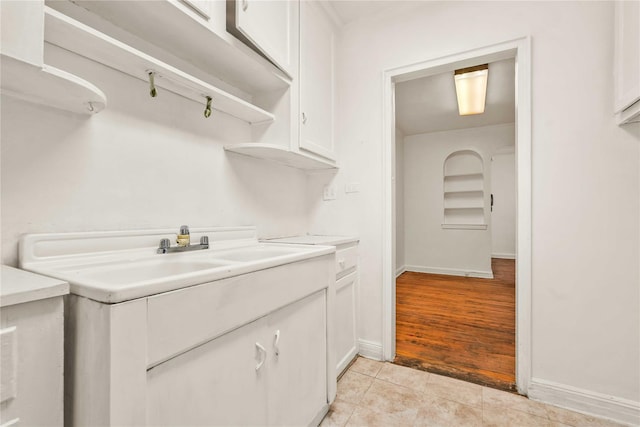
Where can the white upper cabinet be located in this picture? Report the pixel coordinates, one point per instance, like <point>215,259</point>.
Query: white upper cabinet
<point>195,31</point>
<point>24,73</point>
<point>317,45</point>
<point>627,61</point>
<point>266,26</point>
<point>22,30</point>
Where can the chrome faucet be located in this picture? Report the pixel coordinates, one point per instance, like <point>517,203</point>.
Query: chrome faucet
<point>184,243</point>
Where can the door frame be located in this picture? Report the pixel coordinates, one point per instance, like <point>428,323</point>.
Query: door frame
<point>520,49</point>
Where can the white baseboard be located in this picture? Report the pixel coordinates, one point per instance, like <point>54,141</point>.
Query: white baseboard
<point>370,350</point>
<point>585,401</point>
<point>504,256</point>
<point>400,270</point>
<point>450,271</point>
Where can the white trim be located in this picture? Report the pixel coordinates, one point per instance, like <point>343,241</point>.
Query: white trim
<point>504,256</point>
<point>370,349</point>
<point>450,271</point>
<point>585,401</point>
<point>520,49</point>
<point>400,270</point>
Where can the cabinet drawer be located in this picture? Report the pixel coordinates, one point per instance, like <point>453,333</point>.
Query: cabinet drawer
<point>346,259</point>
<point>183,319</point>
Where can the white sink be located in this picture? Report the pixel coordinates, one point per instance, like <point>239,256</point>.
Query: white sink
<point>146,271</point>
<point>118,266</point>
<point>256,253</point>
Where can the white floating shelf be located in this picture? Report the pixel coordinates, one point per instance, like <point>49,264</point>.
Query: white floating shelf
<point>280,155</point>
<point>50,86</point>
<point>67,33</point>
<point>629,115</point>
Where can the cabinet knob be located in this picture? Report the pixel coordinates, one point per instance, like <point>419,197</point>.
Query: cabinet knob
<point>245,5</point>
<point>263,355</point>
<point>304,118</point>
<point>275,343</point>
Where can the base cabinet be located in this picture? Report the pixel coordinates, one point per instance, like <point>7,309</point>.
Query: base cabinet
<point>345,327</point>
<point>254,349</point>
<point>346,340</point>
<point>31,349</point>
<point>343,317</point>
<point>214,384</point>
<point>259,374</point>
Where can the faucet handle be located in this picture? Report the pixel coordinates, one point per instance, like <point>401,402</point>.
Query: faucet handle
<point>165,244</point>
<point>204,240</point>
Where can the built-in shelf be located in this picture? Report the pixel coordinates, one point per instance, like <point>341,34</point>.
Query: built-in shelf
<point>280,155</point>
<point>50,86</point>
<point>468,193</point>
<point>465,226</point>
<point>463,191</point>
<point>463,199</point>
<point>464,175</point>
<point>67,33</point>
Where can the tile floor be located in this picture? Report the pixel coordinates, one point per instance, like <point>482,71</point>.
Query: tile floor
<point>374,394</point>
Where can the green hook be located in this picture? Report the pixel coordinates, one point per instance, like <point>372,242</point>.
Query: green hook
<point>152,86</point>
<point>207,110</point>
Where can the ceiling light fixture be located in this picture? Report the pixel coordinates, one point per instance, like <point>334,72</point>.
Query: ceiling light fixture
<point>471,89</point>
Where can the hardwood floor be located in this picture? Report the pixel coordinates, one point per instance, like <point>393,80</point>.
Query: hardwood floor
<point>459,326</point>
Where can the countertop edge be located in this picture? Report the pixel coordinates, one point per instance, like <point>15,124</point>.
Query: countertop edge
<point>27,286</point>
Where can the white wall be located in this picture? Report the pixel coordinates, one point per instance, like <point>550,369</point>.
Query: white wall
<point>503,217</point>
<point>398,173</point>
<point>429,247</point>
<point>141,163</point>
<point>585,276</point>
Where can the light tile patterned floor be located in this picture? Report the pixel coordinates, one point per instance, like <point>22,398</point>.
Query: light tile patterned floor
<point>381,394</point>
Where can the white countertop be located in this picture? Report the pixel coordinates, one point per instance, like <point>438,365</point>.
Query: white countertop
<point>310,239</point>
<point>19,286</point>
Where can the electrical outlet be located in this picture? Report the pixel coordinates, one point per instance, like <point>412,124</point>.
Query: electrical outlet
<point>329,192</point>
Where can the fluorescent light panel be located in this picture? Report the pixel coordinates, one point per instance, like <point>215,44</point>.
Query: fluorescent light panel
<point>471,89</point>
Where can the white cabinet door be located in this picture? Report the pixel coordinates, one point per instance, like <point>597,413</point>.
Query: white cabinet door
<point>214,384</point>
<point>627,54</point>
<point>316,81</point>
<point>298,361</point>
<point>267,25</point>
<point>345,321</point>
<point>204,8</point>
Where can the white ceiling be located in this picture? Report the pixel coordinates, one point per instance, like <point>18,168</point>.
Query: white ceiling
<point>429,104</point>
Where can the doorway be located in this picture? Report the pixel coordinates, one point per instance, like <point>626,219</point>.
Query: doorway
<point>518,50</point>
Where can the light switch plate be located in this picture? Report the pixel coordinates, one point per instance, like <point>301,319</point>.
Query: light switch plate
<point>352,187</point>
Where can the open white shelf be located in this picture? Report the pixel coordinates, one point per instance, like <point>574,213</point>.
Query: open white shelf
<point>50,86</point>
<point>280,155</point>
<point>172,25</point>
<point>629,115</point>
<point>463,191</point>
<point>463,199</point>
<point>465,226</point>
<point>464,175</point>
<point>67,33</point>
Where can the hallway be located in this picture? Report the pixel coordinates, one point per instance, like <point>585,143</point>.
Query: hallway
<point>462,327</point>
